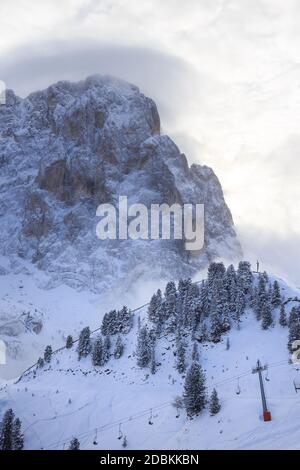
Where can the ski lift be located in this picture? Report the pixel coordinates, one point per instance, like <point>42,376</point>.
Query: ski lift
<point>150,421</point>
<point>120,432</point>
<point>238,389</point>
<point>95,441</point>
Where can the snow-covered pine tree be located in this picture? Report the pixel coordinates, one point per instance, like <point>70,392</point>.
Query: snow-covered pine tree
<point>245,276</point>
<point>119,348</point>
<point>40,362</point>
<point>215,327</point>
<point>266,316</point>
<point>125,320</point>
<point>220,304</point>
<point>97,353</point>
<point>74,444</point>
<point>202,335</point>
<point>180,363</point>
<point>240,305</point>
<point>153,360</point>
<point>294,315</point>
<point>195,352</point>
<point>17,435</point>
<point>282,316</point>
<point>204,299</point>
<point>106,349</point>
<point>154,309</point>
<point>294,329</point>
<point>170,299</point>
<point>84,343</point>
<point>69,342</point>
<point>183,286</point>
<point>194,393</point>
<point>253,301</point>
<point>214,403</point>
<point>216,271</point>
<point>231,286</point>
<point>266,277</point>
<point>48,354</point>
<point>110,323</point>
<point>6,430</point>
<point>262,296</point>
<point>143,349</point>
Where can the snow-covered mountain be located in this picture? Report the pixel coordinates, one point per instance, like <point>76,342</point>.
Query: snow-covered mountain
<point>65,150</point>
<point>100,405</point>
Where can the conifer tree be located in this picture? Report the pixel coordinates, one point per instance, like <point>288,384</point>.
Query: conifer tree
<point>203,334</point>
<point>294,332</point>
<point>204,299</point>
<point>262,297</point>
<point>245,276</point>
<point>110,323</point>
<point>194,394</point>
<point>153,360</point>
<point>17,435</point>
<point>119,348</point>
<point>170,299</point>
<point>84,343</point>
<point>240,305</point>
<point>74,444</point>
<point>48,354</point>
<point>154,309</point>
<point>195,352</point>
<point>282,316</point>
<point>267,319</point>
<point>143,350</point>
<point>6,430</point>
<point>294,315</point>
<point>231,286</point>
<point>124,320</point>
<point>215,327</point>
<point>214,403</point>
<point>97,354</point>
<point>106,349</point>
<point>69,342</point>
<point>180,353</point>
<point>40,363</point>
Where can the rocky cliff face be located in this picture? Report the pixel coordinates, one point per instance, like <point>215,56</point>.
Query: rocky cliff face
<point>67,149</point>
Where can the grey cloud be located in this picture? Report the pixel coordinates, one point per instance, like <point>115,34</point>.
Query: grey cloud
<point>161,76</point>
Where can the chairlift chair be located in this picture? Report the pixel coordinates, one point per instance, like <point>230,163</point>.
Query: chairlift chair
<point>238,389</point>
<point>150,418</point>
<point>120,432</point>
<point>95,442</point>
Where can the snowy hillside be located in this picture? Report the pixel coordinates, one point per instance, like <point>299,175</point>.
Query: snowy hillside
<point>68,397</point>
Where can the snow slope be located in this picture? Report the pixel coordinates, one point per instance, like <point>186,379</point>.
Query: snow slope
<point>74,398</point>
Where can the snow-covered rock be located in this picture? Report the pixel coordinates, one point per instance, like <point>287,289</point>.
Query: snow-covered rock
<point>65,150</point>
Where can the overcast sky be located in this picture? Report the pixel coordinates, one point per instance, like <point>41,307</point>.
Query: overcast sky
<point>225,75</point>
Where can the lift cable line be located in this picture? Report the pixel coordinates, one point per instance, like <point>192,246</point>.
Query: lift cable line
<point>145,413</point>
